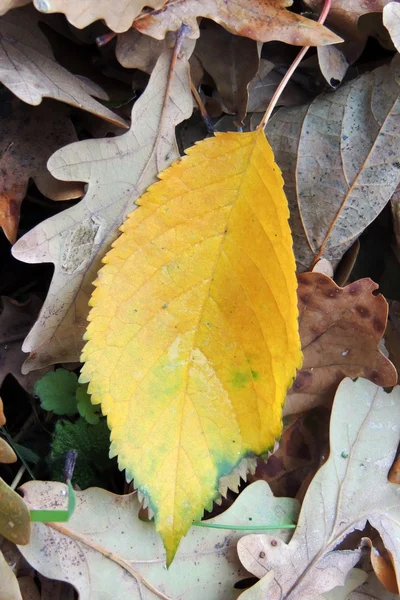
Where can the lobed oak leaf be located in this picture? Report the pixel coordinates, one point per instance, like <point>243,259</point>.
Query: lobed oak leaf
<point>193,335</point>
<point>340,157</point>
<point>260,20</point>
<point>115,545</point>
<point>80,13</point>
<point>117,170</point>
<point>232,61</point>
<point>29,70</point>
<point>29,136</point>
<point>363,444</point>
<point>340,331</point>
<point>134,50</point>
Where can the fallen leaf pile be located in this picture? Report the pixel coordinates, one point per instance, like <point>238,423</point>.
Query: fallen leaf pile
<point>200,288</point>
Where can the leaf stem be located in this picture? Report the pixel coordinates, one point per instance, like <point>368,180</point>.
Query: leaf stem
<point>291,70</point>
<point>243,527</point>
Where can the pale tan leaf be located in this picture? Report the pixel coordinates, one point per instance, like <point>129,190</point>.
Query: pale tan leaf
<point>340,157</point>
<point>28,137</point>
<point>260,20</point>
<point>232,61</point>
<point>118,170</point>
<point>134,50</point>
<point>9,588</point>
<point>80,13</point>
<point>333,64</point>
<point>364,435</point>
<point>372,589</point>
<point>29,70</point>
<point>6,5</point>
<point>391,20</point>
<point>105,542</point>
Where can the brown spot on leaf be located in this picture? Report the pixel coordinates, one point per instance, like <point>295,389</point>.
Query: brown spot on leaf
<point>378,324</point>
<point>302,380</point>
<point>363,311</point>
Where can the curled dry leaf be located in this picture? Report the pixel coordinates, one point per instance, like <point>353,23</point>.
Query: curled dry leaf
<point>28,137</point>
<point>7,454</point>
<point>2,417</point>
<point>29,70</point>
<point>260,20</point>
<point>372,589</point>
<point>15,322</point>
<point>340,331</point>
<point>80,13</point>
<point>340,158</point>
<point>115,545</point>
<point>333,64</point>
<point>232,61</point>
<point>363,444</point>
<point>118,170</point>
<point>383,567</point>
<point>391,20</point>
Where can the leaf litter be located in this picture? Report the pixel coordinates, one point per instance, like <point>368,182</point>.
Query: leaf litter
<point>336,142</point>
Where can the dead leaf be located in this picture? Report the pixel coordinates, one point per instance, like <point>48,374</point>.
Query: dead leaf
<point>340,330</point>
<point>116,546</point>
<point>345,13</point>
<point>260,20</point>
<point>28,137</point>
<point>15,322</point>
<point>15,521</point>
<point>81,13</point>
<point>298,455</point>
<point>340,158</point>
<point>232,61</point>
<point>372,589</point>
<point>7,454</point>
<point>6,5</point>
<point>2,417</point>
<point>391,20</point>
<point>134,50</point>
<point>118,170</point>
<point>29,70</point>
<point>363,444</point>
<point>9,588</point>
<point>333,64</point>
<point>383,567</point>
<point>262,87</point>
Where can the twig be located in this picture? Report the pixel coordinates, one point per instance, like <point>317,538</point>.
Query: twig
<point>18,476</point>
<point>202,108</point>
<point>291,70</point>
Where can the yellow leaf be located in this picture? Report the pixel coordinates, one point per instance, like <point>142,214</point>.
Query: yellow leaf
<point>193,339</point>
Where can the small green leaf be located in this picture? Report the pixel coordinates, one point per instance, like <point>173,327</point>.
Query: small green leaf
<point>86,409</point>
<point>56,391</point>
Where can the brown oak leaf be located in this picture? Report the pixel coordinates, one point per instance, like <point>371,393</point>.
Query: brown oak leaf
<point>340,330</point>
<point>28,137</point>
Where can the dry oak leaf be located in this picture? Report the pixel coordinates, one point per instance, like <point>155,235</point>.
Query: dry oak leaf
<point>134,50</point>
<point>105,542</point>
<point>391,20</point>
<point>340,157</point>
<point>81,13</point>
<point>193,335</point>
<point>2,416</point>
<point>28,137</point>
<point>15,321</point>
<point>363,444</point>
<point>28,68</point>
<point>262,87</point>
<point>260,20</point>
<point>232,61</point>
<point>6,5</point>
<point>340,332</point>
<point>118,170</point>
<point>344,14</point>
<point>9,588</point>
